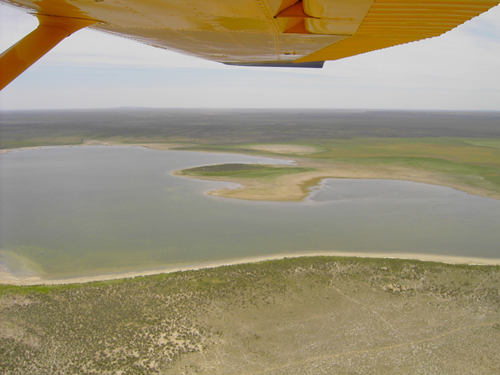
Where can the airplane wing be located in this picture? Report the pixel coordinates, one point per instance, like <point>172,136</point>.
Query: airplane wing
<point>244,32</point>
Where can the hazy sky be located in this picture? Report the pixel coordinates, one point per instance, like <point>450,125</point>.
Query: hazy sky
<point>458,71</point>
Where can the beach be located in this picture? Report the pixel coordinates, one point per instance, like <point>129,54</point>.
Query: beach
<point>10,279</point>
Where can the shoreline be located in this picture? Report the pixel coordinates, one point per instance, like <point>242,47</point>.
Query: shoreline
<point>294,187</point>
<point>297,182</point>
<point>8,279</point>
<point>152,146</point>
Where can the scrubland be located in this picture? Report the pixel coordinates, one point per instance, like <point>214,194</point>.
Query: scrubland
<point>314,315</point>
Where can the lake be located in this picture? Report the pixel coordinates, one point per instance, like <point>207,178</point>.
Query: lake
<point>83,211</point>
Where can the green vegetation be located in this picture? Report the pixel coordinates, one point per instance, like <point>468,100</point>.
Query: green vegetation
<point>253,171</point>
<point>292,316</point>
<point>443,161</point>
<point>485,142</point>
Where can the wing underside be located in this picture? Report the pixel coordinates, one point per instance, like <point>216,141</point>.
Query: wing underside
<point>267,32</point>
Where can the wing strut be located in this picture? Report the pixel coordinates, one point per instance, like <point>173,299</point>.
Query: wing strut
<point>33,46</point>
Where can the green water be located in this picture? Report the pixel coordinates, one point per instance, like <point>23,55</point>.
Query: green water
<point>78,211</point>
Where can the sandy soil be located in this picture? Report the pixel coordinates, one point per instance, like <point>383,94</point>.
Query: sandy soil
<point>6,278</point>
<point>5,151</point>
<point>87,143</point>
<point>152,146</point>
<point>287,149</point>
<point>294,187</point>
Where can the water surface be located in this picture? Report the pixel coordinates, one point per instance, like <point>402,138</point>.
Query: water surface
<point>81,211</point>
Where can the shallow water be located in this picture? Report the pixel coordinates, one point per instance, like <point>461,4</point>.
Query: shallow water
<point>81,211</point>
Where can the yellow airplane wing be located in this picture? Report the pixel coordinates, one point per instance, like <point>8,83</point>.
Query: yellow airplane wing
<point>243,32</point>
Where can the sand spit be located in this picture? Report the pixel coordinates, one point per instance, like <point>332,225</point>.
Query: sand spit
<point>86,143</point>
<point>294,187</point>
<point>7,150</point>
<point>10,279</point>
<point>152,146</point>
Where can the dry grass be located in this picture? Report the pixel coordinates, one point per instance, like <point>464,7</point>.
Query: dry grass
<point>315,315</point>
